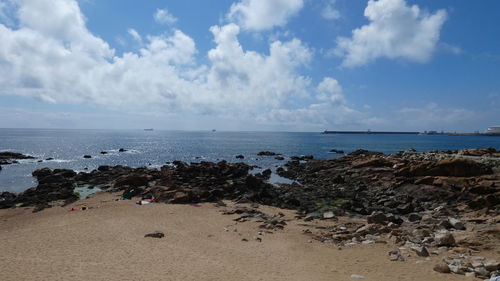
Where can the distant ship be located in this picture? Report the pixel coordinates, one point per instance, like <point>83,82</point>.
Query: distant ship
<point>148,129</point>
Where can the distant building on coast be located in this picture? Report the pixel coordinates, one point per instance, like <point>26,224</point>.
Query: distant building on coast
<point>494,130</point>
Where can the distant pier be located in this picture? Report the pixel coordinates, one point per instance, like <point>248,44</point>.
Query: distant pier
<point>371,132</point>
<point>411,133</point>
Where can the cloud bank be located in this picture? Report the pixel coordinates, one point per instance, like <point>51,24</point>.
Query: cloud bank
<point>57,59</point>
<point>396,31</point>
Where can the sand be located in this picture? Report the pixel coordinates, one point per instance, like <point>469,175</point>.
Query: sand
<point>107,243</point>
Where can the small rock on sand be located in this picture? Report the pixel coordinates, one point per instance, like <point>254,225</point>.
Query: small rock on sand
<point>442,268</point>
<point>156,234</point>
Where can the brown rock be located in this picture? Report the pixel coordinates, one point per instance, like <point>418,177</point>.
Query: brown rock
<point>421,251</point>
<point>444,239</point>
<point>181,197</point>
<point>132,180</point>
<point>442,268</point>
<point>447,168</point>
<point>378,217</point>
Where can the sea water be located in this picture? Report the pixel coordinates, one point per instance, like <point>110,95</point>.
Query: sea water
<point>156,148</point>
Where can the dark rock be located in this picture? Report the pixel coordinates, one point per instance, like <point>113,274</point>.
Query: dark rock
<point>14,155</point>
<point>133,180</point>
<point>302,157</point>
<point>267,153</point>
<point>103,168</point>
<point>362,152</point>
<point>40,173</point>
<point>414,217</point>
<point>104,152</point>
<point>87,156</point>
<point>405,208</point>
<point>378,218</point>
<point>338,179</point>
<point>122,150</point>
<point>156,234</point>
<point>53,185</point>
<point>131,192</point>
<point>337,151</point>
<point>421,251</point>
<point>281,158</point>
<point>444,239</point>
<point>267,173</point>
<point>7,200</point>
<point>240,156</point>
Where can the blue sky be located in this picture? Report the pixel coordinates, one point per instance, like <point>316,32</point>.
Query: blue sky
<point>294,65</point>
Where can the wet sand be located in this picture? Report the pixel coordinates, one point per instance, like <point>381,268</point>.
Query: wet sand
<point>107,242</point>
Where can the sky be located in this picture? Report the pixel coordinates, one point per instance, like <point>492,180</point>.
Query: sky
<point>247,65</point>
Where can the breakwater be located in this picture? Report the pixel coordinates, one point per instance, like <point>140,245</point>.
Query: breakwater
<point>371,132</point>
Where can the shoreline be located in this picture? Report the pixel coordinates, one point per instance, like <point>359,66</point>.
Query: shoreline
<point>438,207</point>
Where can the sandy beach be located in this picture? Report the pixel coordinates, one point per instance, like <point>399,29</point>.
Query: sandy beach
<point>106,242</point>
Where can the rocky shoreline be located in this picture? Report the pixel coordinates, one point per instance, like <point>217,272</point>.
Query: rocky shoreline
<point>432,203</point>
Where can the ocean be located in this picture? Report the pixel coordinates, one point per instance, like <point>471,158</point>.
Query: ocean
<point>156,148</point>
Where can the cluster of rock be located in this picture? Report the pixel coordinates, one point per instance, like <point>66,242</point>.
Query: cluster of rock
<point>7,158</point>
<point>469,265</point>
<point>424,202</point>
<point>88,156</point>
<point>177,183</point>
<point>363,182</point>
<point>274,222</point>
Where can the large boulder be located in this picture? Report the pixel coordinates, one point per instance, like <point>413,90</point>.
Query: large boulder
<point>267,153</point>
<point>7,200</point>
<point>372,162</point>
<point>14,155</point>
<point>378,218</point>
<point>363,152</point>
<point>132,180</point>
<point>444,238</point>
<point>447,168</point>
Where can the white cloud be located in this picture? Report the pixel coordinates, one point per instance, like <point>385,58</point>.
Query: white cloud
<point>163,16</point>
<point>330,110</point>
<point>329,12</point>
<point>137,37</point>
<point>451,48</point>
<point>53,56</point>
<point>258,15</point>
<point>432,115</point>
<point>319,116</point>
<point>396,30</point>
<point>329,90</point>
